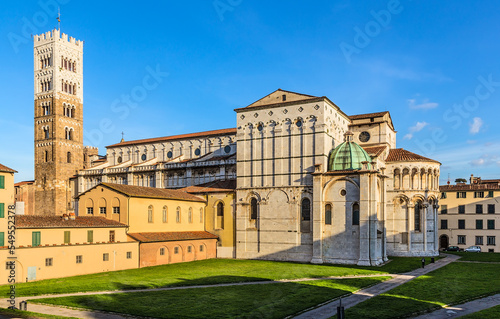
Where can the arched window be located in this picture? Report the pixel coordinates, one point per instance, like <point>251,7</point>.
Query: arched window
<point>150,214</point>
<point>220,216</point>
<point>201,215</point>
<point>328,214</point>
<point>46,132</point>
<point>46,156</point>
<point>68,157</point>
<point>418,215</point>
<point>190,215</point>
<point>306,209</point>
<point>253,208</point>
<point>164,214</point>
<point>305,215</point>
<point>178,215</point>
<point>355,214</point>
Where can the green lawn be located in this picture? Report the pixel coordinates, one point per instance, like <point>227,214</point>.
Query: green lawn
<point>27,314</point>
<point>484,257</point>
<point>212,271</point>
<point>253,301</point>
<point>452,284</point>
<point>491,313</point>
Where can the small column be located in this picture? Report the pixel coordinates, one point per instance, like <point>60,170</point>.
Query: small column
<point>158,178</point>
<point>424,224</point>
<point>317,217</point>
<point>364,220</point>
<point>411,226</point>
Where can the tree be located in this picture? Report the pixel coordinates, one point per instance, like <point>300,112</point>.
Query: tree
<point>460,180</point>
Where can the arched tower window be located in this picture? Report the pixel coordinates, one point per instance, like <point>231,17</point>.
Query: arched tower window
<point>220,216</point>
<point>46,132</point>
<point>68,157</point>
<point>253,208</point>
<point>418,216</point>
<point>355,214</point>
<point>46,156</point>
<point>150,214</point>
<point>328,214</point>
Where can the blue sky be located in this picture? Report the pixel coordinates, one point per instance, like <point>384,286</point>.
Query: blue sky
<point>433,65</point>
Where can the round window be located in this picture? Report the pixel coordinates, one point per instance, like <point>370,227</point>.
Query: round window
<point>364,137</point>
<point>260,127</point>
<point>197,152</point>
<point>343,192</point>
<point>119,159</point>
<point>169,154</point>
<point>227,148</point>
<point>299,123</point>
<point>143,157</point>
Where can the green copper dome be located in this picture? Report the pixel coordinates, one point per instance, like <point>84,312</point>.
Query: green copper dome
<point>348,155</point>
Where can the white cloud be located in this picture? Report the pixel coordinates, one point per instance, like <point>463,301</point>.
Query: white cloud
<point>478,162</point>
<point>426,105</point>
<point>416,128</point>
<point>476,125</point>
<point>485,160</point>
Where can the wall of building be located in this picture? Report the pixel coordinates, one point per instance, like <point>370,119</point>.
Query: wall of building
<point>78,236</point>
<point>450,204</point>
<point>224,227</point>
<point>177,251</point>
<point>64,263</point>
<point>25,194</point>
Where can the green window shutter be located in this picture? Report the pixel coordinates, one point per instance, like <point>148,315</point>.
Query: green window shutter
<point>90,236</point>
<point>35,238</point>
<point>67,237</point>
<point>2,210</point>
<point>2,182</point>
<point>1,239</point>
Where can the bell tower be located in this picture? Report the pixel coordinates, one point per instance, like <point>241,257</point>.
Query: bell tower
<point>58,68</point>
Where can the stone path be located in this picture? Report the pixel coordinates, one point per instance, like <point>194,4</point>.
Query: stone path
<point>329,309</point>
<point>463,309</point>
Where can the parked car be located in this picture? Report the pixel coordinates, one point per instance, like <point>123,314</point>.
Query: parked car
<point>473,249</point>
<point>453,248</point>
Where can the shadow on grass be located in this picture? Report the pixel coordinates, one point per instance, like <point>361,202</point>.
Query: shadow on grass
<point>273,300</point>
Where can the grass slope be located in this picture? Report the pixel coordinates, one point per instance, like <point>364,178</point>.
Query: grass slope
<point>10,313</point>
<point>452,284</point>
<point>254,301</point>
<point>212,271</point>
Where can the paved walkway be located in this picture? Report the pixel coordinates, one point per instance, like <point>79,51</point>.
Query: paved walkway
<point>329,309</point>
<point>463,309</point>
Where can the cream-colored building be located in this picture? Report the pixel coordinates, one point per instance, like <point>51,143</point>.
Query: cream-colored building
<point>168,224</point>
<point>470,215</point>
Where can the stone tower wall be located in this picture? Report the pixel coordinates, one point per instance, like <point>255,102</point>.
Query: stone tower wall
<point>58,68</point>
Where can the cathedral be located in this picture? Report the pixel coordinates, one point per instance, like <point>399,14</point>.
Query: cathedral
<point>297,179</point>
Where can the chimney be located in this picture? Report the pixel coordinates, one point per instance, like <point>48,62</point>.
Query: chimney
<point>71,216</point>
<point>65,216</point>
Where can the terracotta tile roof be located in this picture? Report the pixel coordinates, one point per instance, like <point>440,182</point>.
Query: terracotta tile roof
<point>177,137</point>
<point>171,236</point>
<point>34,221</point>
<point>23,183</point>
<point>375,150</point>
<point>402,155</point>
<point>149,192</point>
<point>367,115</point>
<point>4,168</point>
<point>213,187</point>
<point>469,187</point>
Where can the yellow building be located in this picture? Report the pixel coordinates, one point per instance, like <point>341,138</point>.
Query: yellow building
<point>6,200</point>
<point>169,224</point>
<point>220,213</point>
<point>470,215</point>
<point>62,246</point>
